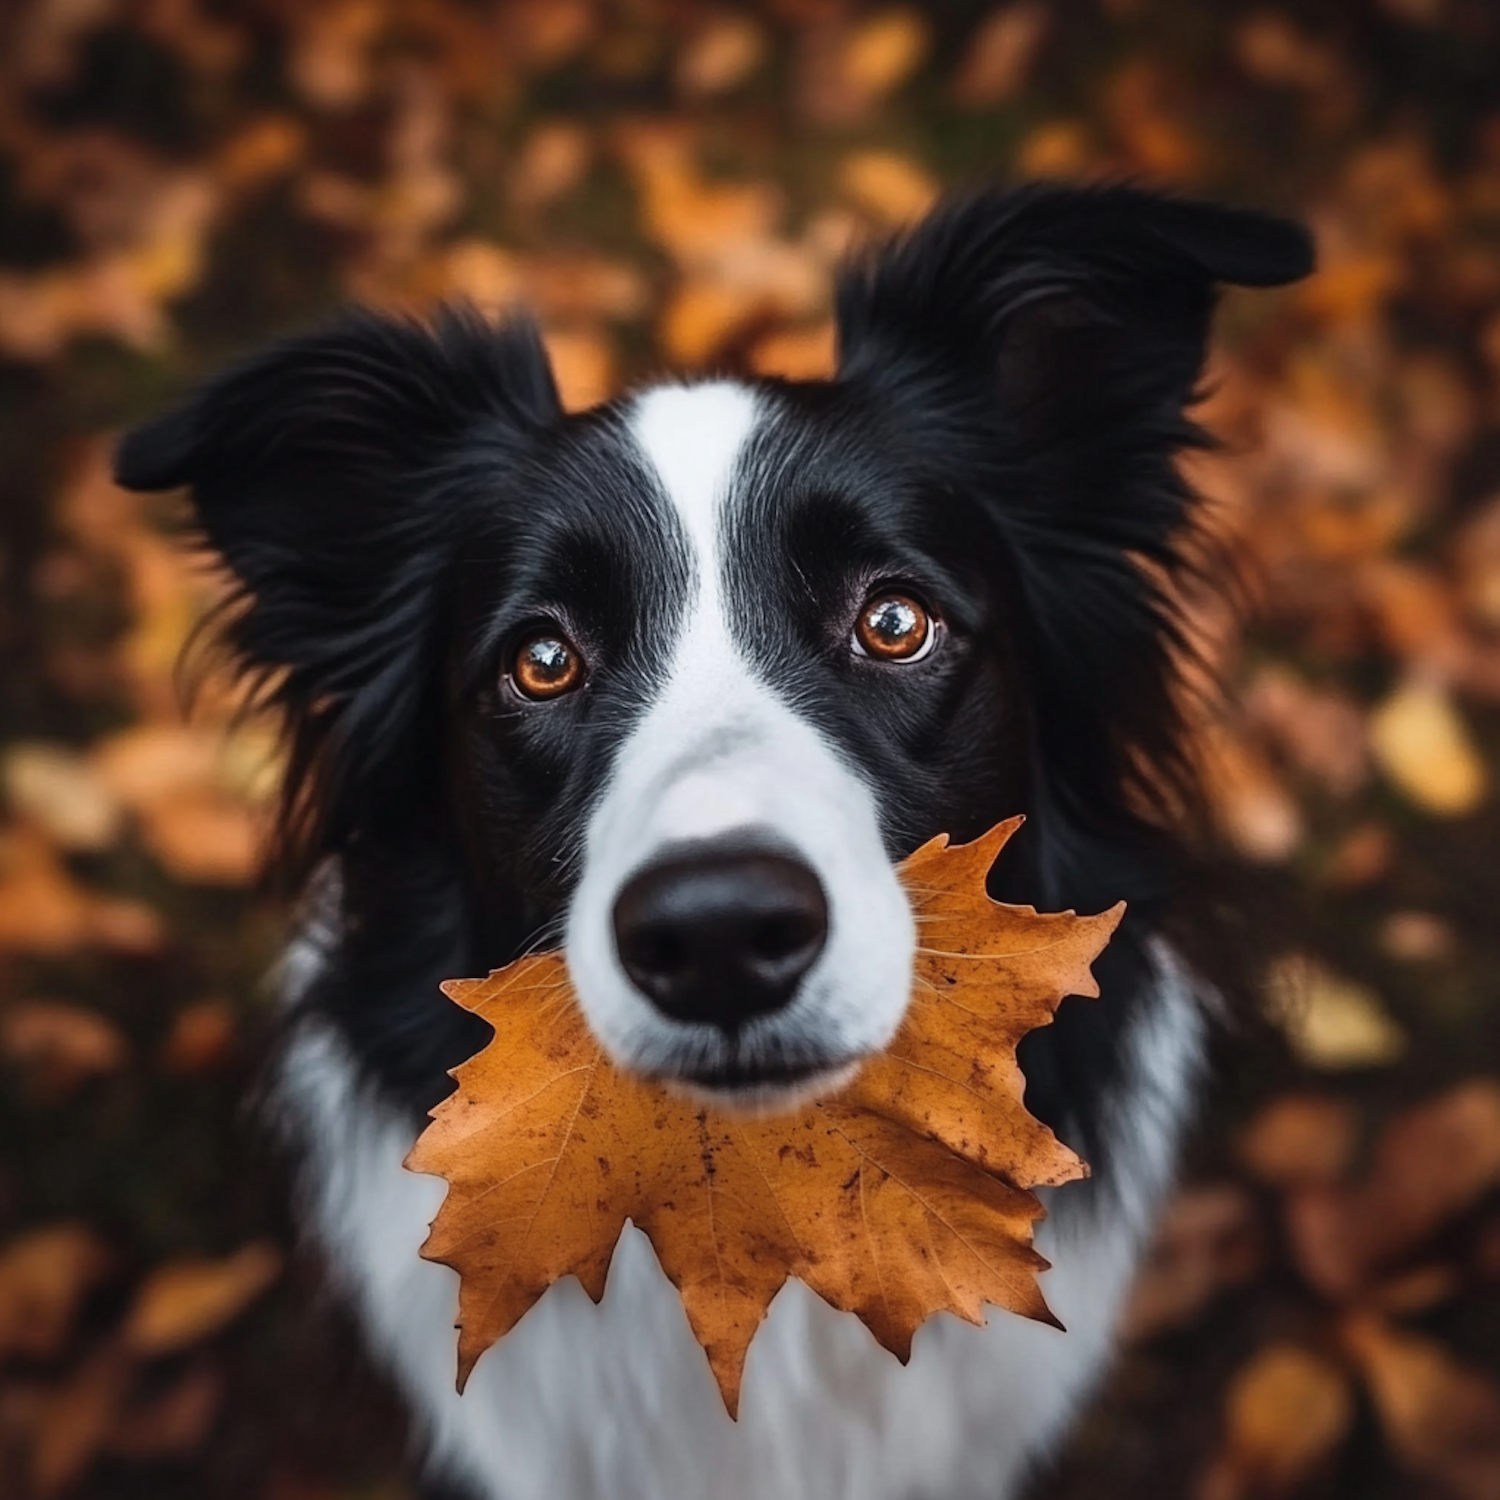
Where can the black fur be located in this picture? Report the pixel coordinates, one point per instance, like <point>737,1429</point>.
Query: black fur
<point>398,504</point>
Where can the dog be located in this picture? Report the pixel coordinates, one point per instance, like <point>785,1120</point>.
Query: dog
<point>672,683</point>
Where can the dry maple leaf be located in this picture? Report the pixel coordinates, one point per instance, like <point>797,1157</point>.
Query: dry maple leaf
<point>904,1194</point>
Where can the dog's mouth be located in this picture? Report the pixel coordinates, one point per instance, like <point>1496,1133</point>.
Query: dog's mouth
<point>758,1089</point>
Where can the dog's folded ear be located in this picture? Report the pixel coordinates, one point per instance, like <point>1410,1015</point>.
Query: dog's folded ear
<point>316,470</point>
<point>1049,293</point>
<point>1049,341</point>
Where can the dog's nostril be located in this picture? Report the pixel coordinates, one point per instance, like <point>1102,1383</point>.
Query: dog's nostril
<point>783,936</point>
<point>658,950</point>
<point>720,936</point>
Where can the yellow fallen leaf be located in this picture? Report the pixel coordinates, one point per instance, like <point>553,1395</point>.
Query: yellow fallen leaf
<point>1423,746</point>
<point>57,789</point>
<point>1332,1022</point>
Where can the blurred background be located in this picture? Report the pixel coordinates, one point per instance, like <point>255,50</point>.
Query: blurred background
<point>668,183</point>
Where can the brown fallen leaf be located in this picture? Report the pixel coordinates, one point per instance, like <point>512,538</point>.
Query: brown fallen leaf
<point>1208,1241</point>
<point>61,1045</point>
<point>44,1276</point>
<point>552,163</point>
<point>1362,858</point>
<point>1441,1417</point>
<point>1286,1412</point>
<point>1430,1165</point>
<point>1418,937</point>
<point>204,838</point>
<point>902,1195</point>
<point>43,910</point>
<point>172,1424</point>
<point>891,187</point>
<point>582,364</point>
<point>186,1301</point>
<point>721,56</point>
<point>1417,1290</point>
<point>1060,148</point>
<point>204,1036</point>
<point>196,795</point>
<point>1249,801</point>
<point>75,1420</point>
<point>1000,55</point>
<point>1436,1161</point>
<point>1320,731</point>
<point>700,317</point>
<point>1299,1139</point>
<point>1476,549</point>
<point>1274,50</point>
<point>883,52</point>
<point>796,353</point>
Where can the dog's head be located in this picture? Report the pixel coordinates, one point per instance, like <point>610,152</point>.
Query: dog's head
<point>676,679</point>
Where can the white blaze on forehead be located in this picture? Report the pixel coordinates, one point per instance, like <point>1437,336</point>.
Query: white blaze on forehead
<point>721,750</point>
<point>691,436</point>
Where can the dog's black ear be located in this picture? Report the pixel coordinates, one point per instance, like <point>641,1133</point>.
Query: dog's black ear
<point>1062,332</point>
<point>1048,341</point>
<point>315,471</point>
<point>1044,345</point>
<point>1048,294</point>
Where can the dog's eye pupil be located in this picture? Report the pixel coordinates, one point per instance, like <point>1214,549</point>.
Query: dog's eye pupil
<point>546,666</point>
<point>893,627</point>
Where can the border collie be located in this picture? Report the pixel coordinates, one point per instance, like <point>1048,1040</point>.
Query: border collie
<point>673,682</point>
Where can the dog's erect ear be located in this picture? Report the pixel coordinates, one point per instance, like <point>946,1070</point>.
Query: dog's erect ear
<point>315,469</point>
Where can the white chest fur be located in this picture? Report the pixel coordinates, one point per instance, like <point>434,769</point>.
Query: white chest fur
<point>615,1402</point>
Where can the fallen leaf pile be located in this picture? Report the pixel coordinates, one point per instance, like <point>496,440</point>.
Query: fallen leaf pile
<point>670,186</point>
<point>902,1195</point>
<point>1402,1229</point>
<point>147,1390</point>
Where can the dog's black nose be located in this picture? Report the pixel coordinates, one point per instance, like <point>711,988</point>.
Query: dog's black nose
<point>720,936</point>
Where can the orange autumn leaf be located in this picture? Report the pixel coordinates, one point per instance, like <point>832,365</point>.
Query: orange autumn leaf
<point>904,1194</point>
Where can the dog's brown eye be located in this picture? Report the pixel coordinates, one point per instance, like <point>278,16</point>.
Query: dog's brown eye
<point>893,627</point>
<point>546,666</point>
